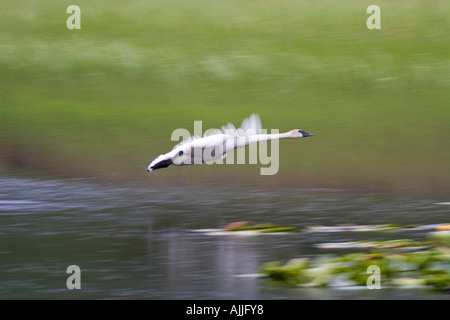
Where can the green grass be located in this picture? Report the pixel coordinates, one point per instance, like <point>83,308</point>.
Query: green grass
<point>105,99</point>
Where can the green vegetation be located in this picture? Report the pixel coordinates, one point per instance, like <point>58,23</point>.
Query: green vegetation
<point>428,268</point>
<point>422,267</point>
<point>103,101</point>
<point>260,228</point>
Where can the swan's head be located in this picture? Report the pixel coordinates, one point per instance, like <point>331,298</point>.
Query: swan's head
<point>298,133</point>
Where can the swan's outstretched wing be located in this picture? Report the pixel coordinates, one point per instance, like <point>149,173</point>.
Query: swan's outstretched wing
<point>251,125</point>
<point>230,129</point>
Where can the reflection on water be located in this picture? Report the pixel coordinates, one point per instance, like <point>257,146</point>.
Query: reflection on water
<point>138,242</point>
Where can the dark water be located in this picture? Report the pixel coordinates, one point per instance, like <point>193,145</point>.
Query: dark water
<point>138,243</point>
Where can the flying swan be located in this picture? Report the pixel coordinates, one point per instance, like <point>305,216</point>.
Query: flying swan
<point>216,145</point>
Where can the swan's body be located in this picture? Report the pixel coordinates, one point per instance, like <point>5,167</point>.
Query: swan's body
<point>211,147</point>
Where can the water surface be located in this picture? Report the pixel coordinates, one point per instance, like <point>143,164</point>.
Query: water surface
<point>139,243</point>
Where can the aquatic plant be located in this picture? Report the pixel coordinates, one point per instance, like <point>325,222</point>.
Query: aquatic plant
<point>431,268</point>
<point>428,264</point>
<point>263,228</point>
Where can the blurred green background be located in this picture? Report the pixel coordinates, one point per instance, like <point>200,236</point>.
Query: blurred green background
<point>103,101</point>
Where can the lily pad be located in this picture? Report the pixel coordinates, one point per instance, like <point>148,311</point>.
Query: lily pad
<point>430,267</point>
<point>440,237</point>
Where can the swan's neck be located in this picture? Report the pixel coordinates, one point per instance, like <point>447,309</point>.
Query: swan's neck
<point>267,137</point>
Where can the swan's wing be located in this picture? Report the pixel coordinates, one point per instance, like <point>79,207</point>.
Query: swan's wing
<point>251,125</point>
<point>230,129</point>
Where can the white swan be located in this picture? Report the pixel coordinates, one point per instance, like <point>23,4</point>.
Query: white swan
<point>214,146</point>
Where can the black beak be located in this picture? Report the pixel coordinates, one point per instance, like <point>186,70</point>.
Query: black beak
<point>305,134</point>
<point>162,164</point>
